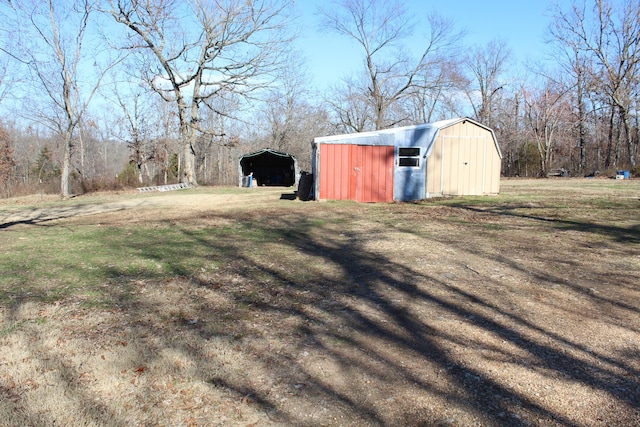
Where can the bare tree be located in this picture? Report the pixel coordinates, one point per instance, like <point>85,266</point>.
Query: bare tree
<point>132,127</point>
<point>51,44</point>
<point>486,66</point>
<point>4,77</point>
<point>379,28</point>
<point>350,105</point>
<point>578,69</point>
<point>435,98</point>
<point>610,37</point>
<point>217,117</point>
<point>7,161</point>
<point>545,111</point>
<point>201,50</point>
<point>285,104</point>
<point>6,40</point>
<point>510,130</point>
<point>291,120</point>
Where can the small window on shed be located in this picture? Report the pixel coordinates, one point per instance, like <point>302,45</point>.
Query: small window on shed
<point>409,156</point>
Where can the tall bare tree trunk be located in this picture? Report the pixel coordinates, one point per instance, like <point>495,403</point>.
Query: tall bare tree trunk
<point>66,165</point>
<point>582,131</point>
<point>626,123</point>
<point>609,153</point>
<point>189,175</point>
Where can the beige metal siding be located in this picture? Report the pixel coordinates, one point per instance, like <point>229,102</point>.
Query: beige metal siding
<point>494,165</point>
<point>434,170</point>
<point>464,161</point>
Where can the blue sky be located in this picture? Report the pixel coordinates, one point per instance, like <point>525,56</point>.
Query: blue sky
<point>522,23</point>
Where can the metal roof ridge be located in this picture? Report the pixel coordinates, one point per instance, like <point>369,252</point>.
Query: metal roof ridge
<point>371,132</point>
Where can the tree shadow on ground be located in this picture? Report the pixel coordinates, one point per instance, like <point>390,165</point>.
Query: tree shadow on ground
<point>626,239</point>
<point>331,326</point>
<point>620,234</point>
<point>42,216</point>
<point>364,318</point>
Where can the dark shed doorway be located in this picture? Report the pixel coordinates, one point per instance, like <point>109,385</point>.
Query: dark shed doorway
<point>269,168</point>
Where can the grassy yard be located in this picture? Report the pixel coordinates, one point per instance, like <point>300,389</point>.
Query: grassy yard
<point>230,306</point>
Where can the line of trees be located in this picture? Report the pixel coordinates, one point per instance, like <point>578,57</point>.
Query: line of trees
<point>103,93</point>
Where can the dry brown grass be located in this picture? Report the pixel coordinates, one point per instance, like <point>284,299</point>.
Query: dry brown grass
<point>523,309</point>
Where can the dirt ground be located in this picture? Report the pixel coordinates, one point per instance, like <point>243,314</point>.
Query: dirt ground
<point>520,312</point>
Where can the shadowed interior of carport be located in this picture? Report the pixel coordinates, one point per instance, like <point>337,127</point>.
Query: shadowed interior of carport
<point>269,168</point>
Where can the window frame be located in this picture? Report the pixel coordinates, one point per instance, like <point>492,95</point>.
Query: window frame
<point>410,156</point>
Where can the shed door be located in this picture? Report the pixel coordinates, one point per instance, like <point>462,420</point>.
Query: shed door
<point>356,172</point>
<point>463,165</point>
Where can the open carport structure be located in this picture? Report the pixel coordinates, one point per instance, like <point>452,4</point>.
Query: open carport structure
<point>269,168</point>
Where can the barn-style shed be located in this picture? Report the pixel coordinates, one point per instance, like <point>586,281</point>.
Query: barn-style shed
<point>447,158</point>
<point>269,168</point>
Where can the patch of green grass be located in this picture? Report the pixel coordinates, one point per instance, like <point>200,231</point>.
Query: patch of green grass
<point>562,199</point>
<point>8,330</point>
<point>51,263</point>
<point>94,263</point>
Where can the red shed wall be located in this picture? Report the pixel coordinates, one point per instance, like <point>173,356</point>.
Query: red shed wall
<point>356,172</point>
